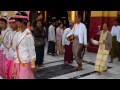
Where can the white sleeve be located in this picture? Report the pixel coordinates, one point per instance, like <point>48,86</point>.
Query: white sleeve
<point>63,37</point>
<point>15,41</point>
<point>31,47</point>
<point>112,31</point>
<point>50,33</point>
<point>85,35</point>
<point>70,33</point>
<point>57,32</point>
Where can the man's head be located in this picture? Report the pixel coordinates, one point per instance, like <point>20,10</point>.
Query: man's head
<point>53,22</point>
<point>71,24</point>
<point>116,22</point>
<point>39,16</point>
<point>78,18</point>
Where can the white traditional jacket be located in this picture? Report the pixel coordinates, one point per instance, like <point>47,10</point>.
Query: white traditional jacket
<point>26,48</point>
<point>80,31</point>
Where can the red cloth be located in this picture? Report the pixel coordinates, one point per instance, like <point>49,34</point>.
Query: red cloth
<point>3,68</point>
<point>68,56</point>
<point>10,68</point>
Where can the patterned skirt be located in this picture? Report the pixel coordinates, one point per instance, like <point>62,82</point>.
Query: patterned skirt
<point>23,72</point>
<point>101,60</point>
<point>10,68</point>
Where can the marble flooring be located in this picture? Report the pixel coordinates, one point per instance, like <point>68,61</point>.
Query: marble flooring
<point>55,63</point>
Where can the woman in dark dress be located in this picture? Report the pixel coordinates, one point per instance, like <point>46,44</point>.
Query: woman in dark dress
<point>39,36</point>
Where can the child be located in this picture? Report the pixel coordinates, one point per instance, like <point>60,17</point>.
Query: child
<point>25,55</point>
<point>4,46</point>
<point>10,53</point>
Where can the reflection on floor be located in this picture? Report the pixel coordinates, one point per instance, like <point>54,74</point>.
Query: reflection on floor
<point>53,71</point>
<point>62,69</point>
<point>54,68</point>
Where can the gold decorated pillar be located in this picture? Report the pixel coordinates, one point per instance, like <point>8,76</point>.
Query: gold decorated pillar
<point>72,15</point>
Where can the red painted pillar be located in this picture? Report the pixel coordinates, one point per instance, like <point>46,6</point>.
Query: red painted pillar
<point>98,18</point>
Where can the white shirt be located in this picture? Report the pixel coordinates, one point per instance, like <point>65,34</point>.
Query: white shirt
<point>114,30</point>
<point>59,34</point>
<point>6,40</point>
<point>10,54</point>
<point>118,34</point>
<point>51,33</point>
<point>26,48</point>
<point>64,39</point>
<point>80,31</point>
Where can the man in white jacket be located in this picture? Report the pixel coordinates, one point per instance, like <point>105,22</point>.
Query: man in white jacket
<point>51,39</point>
<point>79,32</point>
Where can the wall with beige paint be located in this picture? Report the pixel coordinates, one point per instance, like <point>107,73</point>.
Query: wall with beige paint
<point>10,13</point>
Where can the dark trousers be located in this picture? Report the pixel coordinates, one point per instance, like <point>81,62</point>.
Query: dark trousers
<point>51,47</point>
<point>118,49</point>
<point>39,54</point>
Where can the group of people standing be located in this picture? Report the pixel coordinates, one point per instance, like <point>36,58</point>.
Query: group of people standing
<point>55,39</point>
<point>17,51</point>
<point>115,31</point>
<point>22,49</point>
<point>69,42</point>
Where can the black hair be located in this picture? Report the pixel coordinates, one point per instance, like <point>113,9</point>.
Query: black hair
<point>60,23</point>
<point>79,16</point>
<point>39,21</point>
<point>106,24</point>
<point>11,18</point>
<point>117,20</point>
<point>38,14</point>
<point>24,20</point>
<point>53,21</point>
<point>4,20</point>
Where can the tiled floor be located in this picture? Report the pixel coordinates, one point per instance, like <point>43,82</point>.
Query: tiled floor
<point>87,73</point>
